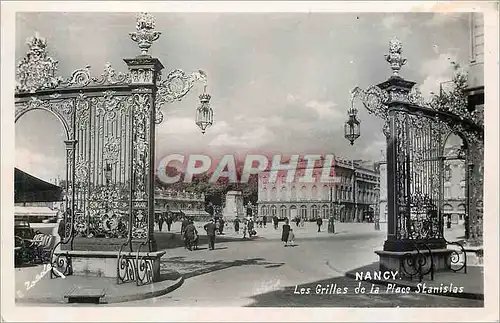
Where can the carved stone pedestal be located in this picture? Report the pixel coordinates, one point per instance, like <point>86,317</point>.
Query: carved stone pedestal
<point>474,255</point>
<point>395,260</point>
<point>105,263</point>
<point>234,206</point>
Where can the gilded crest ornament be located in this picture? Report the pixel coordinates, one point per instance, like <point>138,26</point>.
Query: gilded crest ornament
<point>176,85</point>
<point>112,148</point>
<point>37,70</point>
<point>145,34</point>
<point>394,58</point>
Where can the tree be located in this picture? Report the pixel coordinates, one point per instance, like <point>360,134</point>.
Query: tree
<point>456,100</point>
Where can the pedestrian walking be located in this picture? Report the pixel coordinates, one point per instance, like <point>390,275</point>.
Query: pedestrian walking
<point>61,230</point>
<point>217,225</point>
<point>291,238</point>
<point>169,221</point>
<point>221,225</point>
<point>190,236</point>
<point>275,221</point>
<point>184,223</point>
<point>285,233</point>
<point>245,228</point>
<point>237,225</point>
<point>297,221</point>
<point>160,222</point>
<point>319,222</point>
<point>210,229</point>
<point>264,220</point>
<point>250,228</point>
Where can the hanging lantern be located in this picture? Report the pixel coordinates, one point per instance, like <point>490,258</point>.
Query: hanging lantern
<point>352,126</point>
<point>204,113</point>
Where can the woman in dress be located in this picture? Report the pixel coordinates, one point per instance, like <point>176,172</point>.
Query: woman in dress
<point>285,233</point>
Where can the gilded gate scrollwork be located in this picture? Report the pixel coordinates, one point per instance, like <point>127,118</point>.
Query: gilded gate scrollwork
<point>109,123</point>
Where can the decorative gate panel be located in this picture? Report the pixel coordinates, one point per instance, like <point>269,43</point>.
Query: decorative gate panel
<point>102,181</point>
<point>418,174</point>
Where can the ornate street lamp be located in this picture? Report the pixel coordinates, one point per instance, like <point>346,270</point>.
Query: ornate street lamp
<point>177,83</point>
<point>352,125</point>
<point>204,113</point>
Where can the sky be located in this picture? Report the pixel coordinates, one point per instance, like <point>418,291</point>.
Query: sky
<point>279,82</point>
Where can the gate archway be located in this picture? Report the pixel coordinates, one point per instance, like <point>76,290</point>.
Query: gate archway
<point>110,129</point>
<point>416,132</point>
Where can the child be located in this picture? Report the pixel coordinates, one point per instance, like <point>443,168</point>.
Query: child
<point>291,238</point>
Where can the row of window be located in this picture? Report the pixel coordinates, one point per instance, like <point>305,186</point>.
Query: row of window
<point>338,194</point>
<point>303,211</point>
<point>448,190</point>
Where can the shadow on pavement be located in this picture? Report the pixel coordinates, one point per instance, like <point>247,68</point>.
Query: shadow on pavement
<point>170,240</point>
<point>193,268</point>
<point>341,292</point>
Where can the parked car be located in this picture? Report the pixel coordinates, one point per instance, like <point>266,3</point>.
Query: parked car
<point>23,229</point>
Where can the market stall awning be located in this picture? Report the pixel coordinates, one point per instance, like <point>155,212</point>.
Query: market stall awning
<point>34,211</point>
<point>195,213</point>
<point>28,188</point>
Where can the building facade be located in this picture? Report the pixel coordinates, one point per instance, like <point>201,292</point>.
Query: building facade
<point>352,197</point>
<point>454,183</point>
<point>383,190</point>
<point>454,199</point>
<point>180,203</point>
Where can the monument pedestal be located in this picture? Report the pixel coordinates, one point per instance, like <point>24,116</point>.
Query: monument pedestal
<point>406,255</point>
<point>234,206</point>
<point>474,252</point>
<point>395,260</point>
<point>98,257</point>
<point>105,263</point>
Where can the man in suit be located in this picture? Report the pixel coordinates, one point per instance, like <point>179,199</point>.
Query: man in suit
<point>184,224</point>
<point>210,228</point>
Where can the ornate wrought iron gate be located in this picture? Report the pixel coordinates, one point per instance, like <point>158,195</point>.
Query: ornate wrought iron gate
<point>109,122</point>
<point>416,133</point>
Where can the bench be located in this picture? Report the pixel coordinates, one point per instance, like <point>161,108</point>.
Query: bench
<point>85,295</point>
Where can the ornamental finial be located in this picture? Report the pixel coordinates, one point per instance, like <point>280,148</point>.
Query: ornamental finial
<point>37,70</point>
<point>145,34</point>
<point>36,44</point>
<point>394,58</point>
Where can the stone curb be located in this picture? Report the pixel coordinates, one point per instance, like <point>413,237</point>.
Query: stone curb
<point>412,287</point>
<point>135,297</point>
<point>163,290</point>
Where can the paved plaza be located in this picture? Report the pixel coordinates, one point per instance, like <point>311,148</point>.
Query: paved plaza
<point>262,272</point>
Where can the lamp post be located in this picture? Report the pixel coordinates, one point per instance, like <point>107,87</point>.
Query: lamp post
<point>376,217</point>
<point>331,220</point>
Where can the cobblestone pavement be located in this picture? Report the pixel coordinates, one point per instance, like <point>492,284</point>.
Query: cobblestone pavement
<point>261,272</point>
<point>264,273</point>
